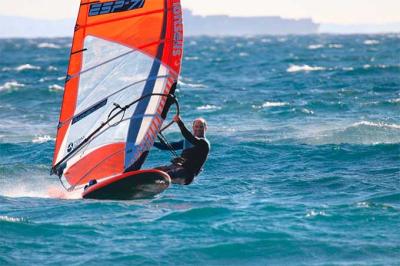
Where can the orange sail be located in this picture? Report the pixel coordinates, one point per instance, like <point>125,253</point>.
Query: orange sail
<point>122,50</point>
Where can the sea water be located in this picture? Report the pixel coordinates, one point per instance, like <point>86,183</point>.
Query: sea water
<point>304,167</point>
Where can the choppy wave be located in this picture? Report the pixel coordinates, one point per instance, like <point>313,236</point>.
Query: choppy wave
<point>304,68</point>
<point>364,132</point>
<point>377,125</point>
<point>288,149</point>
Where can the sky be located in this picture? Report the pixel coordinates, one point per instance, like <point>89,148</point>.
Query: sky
<point>321,11</point>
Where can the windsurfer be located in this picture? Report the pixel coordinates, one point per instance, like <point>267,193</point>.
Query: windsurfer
<point>195,148</point>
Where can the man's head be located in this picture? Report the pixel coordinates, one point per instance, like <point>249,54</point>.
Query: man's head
<point>199,127</point>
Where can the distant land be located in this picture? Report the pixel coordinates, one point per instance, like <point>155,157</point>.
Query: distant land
<point>197,25</point>
<point>237,26</point>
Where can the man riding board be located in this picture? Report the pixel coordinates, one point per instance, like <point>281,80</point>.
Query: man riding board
<point>195,148</point>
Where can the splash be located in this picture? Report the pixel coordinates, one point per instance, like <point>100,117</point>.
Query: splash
<point>46,192</point>
<point>56,192</point>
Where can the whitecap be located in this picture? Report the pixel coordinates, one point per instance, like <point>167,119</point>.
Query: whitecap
<point>55,87</point>
<point>307,111</point>
<point>348,68</point>
<point>11,85</point>
<point>42,139</point>
<point>265,40</point>
<point>378,125</point>
<point>395,100</point>
<point>208,107</point>
<point>314,213</point>
<point>304,68</point>
<point>61,78</point>
<point>335,46</point>
<point>274,104</point>
<point>191,85</point>
<point>48,45</point>
<point>315,46</point>
<point>191,58</point>
<point>11,219</point>
<point>26,67</point>
<point>52,68</point>
<point>243,54</point>
<point>363,204</point>
<point>371,42</point>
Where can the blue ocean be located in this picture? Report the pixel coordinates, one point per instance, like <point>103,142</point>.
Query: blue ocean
<point>304,166</point>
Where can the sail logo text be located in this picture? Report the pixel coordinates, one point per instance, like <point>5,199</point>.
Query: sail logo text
<point>114,6</point>
<point>178,28</point>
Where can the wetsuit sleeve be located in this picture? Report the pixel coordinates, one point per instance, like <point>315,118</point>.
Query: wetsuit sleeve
<point>187,134</point>
<point>175,145</point>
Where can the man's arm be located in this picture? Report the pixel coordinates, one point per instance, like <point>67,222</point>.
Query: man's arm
<point>175,145</point>
<point>186,133</point>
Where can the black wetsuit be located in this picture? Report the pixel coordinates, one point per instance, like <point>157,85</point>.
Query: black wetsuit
<point>194,155</point>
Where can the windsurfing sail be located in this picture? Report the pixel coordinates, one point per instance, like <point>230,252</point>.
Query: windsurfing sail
<point>122,50</point>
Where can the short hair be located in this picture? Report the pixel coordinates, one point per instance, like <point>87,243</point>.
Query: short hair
<point>202,120</point>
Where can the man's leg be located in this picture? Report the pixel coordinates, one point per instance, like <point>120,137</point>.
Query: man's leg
<point>180,176</point>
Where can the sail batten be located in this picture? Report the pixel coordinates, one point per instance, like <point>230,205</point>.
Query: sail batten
<point>116,58</point>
